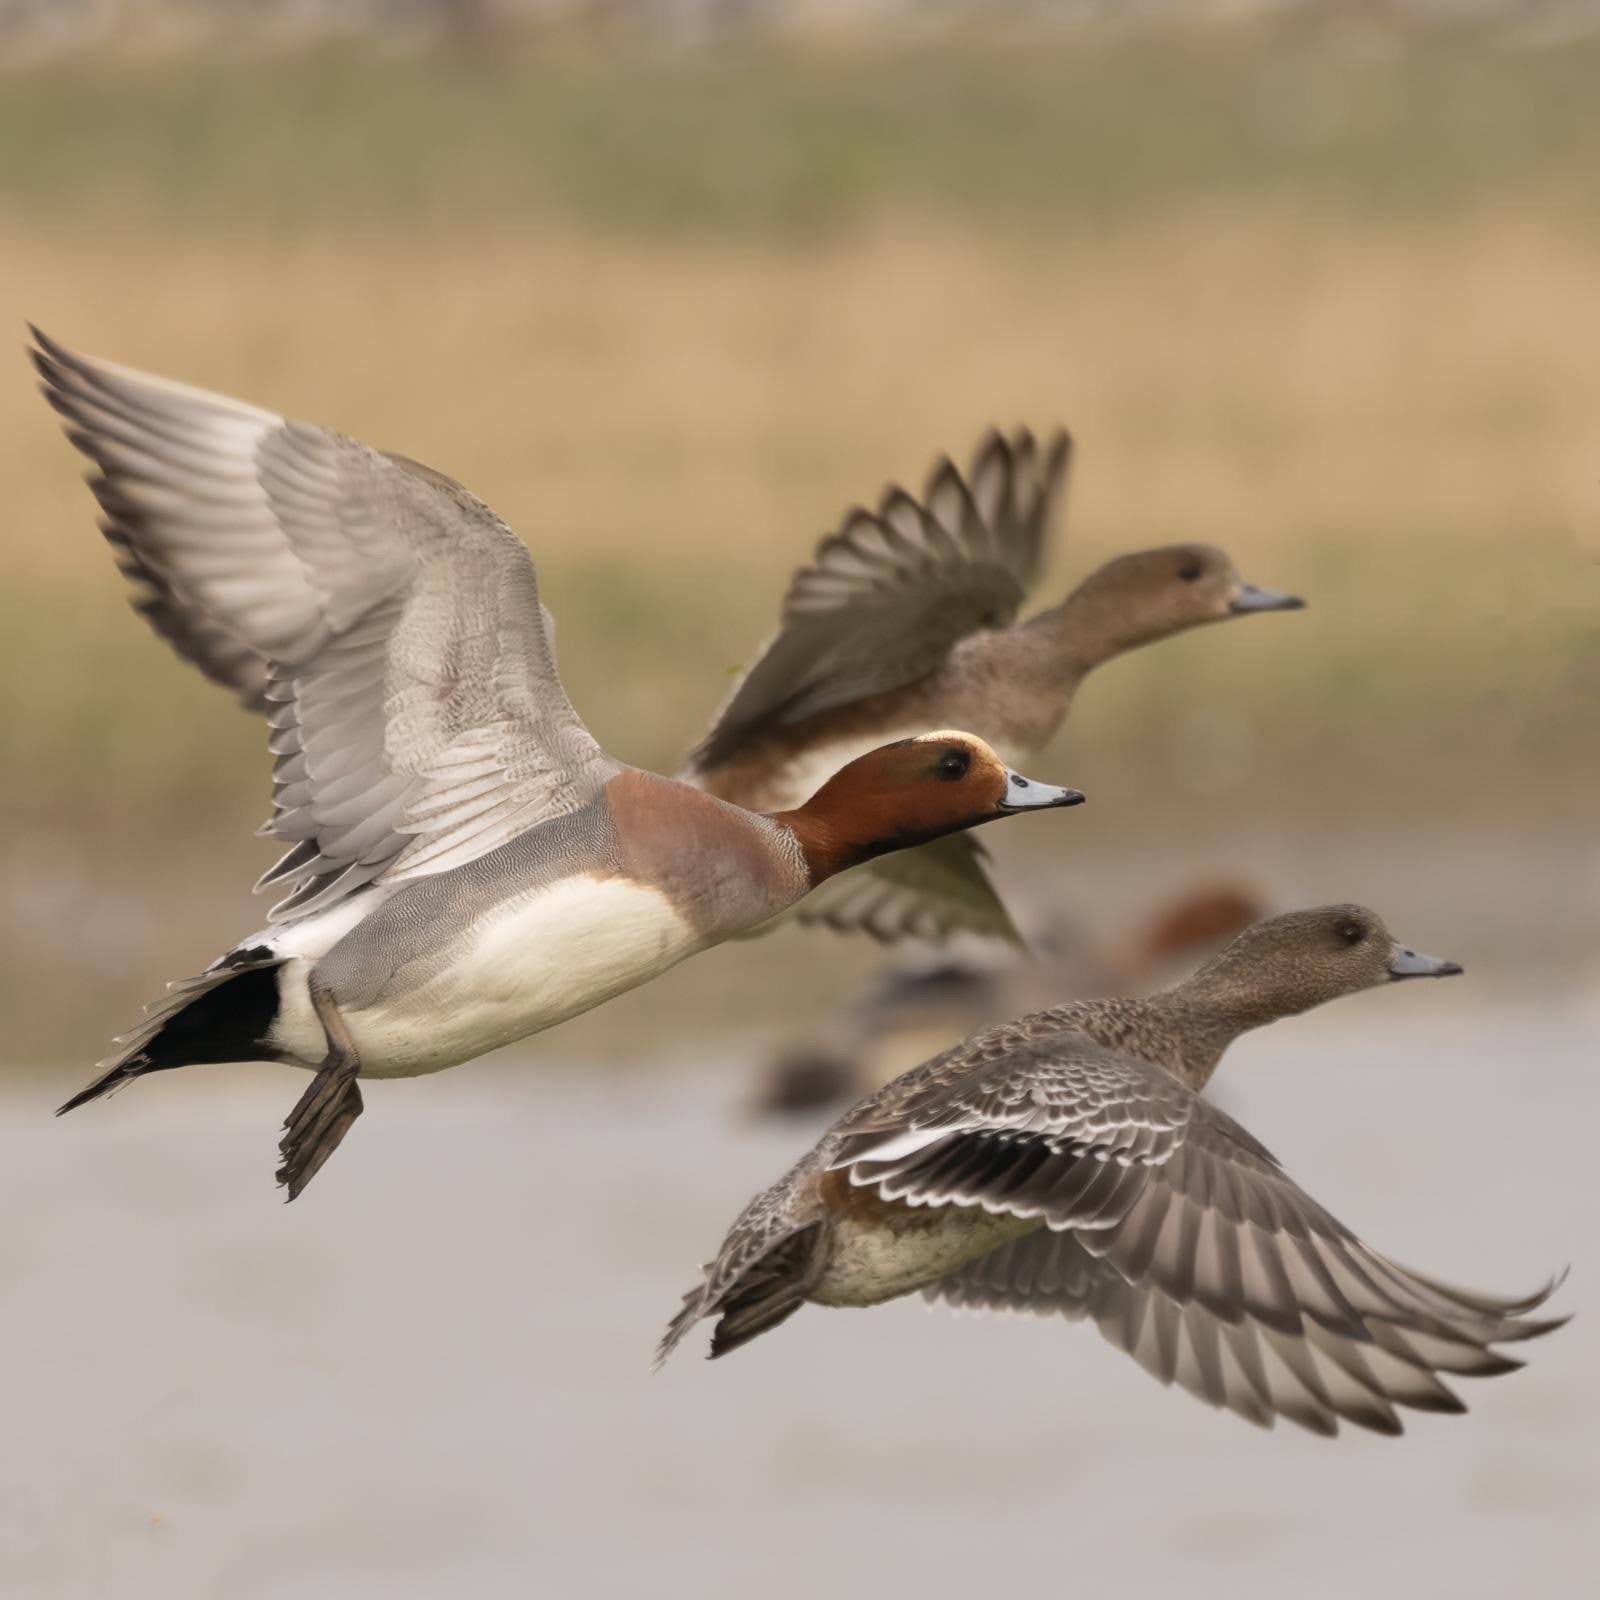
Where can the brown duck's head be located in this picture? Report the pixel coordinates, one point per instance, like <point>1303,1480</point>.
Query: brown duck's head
<point>1151,594</point>
<point>909,792</point>
<point>1302,959</point>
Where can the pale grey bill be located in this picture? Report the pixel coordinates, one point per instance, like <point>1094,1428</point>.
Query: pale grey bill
<point>1250,597</point>
<point>1404,962</point>
<point>1025,794</point>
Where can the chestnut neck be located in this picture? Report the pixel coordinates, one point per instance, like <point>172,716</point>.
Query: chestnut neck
<point>830,847</point>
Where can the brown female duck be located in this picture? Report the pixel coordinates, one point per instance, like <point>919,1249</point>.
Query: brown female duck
<point>1067,1163</point>
<point>907,618</point>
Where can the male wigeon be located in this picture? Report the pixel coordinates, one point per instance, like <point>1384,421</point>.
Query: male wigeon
<point>1066,1163</point>
<point>466,866</point>
<point>907,618</point>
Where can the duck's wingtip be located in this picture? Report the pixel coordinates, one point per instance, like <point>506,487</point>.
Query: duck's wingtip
<point>42,346</point>
<point>1541,1296</point>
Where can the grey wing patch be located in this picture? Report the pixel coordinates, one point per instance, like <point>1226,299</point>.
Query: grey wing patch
<point>1314,1376</point>
<point>219,655</point>
<point>417,716</point>
<point>763,1273</point>
<point>930,893</point>
<point>1224,1226</point>
<point>888,596</point>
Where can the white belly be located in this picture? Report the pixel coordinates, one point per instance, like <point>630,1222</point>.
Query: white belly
<point>874,1261</point>
<point>527,966</point>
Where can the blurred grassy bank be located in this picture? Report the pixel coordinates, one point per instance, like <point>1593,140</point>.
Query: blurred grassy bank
<point>1075,129</point>
<point>1327,301</point>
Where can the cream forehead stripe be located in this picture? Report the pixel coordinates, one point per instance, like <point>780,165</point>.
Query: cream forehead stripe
<point>958,735</point>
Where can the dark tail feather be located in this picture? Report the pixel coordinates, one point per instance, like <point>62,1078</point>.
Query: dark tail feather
<point>223,1015</point>
<point>122,1071</point>
<point>758,1297</point>
<point>743,1319</point>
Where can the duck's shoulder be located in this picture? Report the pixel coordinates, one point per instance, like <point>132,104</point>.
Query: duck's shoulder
<point>1059,1049</point>
<point>1114,1024</point>
<point>1129,1026</point>
<point>645,802</point>
<point>644,806</point>
<point>726,865</point>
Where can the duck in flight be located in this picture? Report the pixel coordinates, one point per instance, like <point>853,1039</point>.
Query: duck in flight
<point>465,866</point>
<point>1067,1164</point>
<point>907,618</point>
<point>916,1007</point>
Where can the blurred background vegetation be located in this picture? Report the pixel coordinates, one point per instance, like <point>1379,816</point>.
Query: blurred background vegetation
<point>672,287</point>
<point>671,283</point>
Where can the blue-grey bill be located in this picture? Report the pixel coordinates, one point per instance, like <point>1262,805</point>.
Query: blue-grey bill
<point>1028,794</point>
<point>1404,962</point>
<point>1250,597</point>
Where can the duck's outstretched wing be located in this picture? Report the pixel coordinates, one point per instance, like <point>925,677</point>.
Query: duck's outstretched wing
<point>1314,1376</point>
<point>888,595</point>
<point>1179,1233</point>
<point>417,716</point>
<point>221,656</point>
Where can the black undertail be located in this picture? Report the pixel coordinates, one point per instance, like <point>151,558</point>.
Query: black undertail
<point>224,1016</point>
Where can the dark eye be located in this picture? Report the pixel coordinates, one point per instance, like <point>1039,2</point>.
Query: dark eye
<point>1190,570</point>
<point>1352,932</point>
<point>953,764</point>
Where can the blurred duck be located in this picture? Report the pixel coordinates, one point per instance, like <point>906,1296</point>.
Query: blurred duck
<point>918,1007</point>
<point>907,618</point>
<point>1066,1164</point>
<point>465,865</point>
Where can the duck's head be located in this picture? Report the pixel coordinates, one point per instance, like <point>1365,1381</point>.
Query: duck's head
<point>1302,959</point>
<point>1150,594</point>
<point>909,792</point>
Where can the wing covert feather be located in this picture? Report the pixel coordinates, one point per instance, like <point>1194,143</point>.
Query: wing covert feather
<point>385,618</point>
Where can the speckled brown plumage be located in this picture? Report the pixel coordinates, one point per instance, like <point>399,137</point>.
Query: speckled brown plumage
<point>1070,1162</point>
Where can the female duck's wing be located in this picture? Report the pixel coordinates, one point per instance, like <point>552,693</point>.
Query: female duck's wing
<point>1195,1250</point>
<point>417,717</point>
<point>890,594</point>
<point>1314,1377</point>
<point>1027,1113</point>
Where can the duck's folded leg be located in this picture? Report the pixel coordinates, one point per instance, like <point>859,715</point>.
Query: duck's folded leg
<point>323,1114</point>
